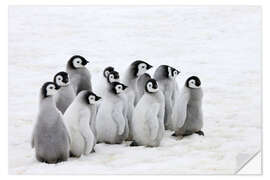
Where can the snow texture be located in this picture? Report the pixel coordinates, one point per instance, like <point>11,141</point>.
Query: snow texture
<point>220,44</point>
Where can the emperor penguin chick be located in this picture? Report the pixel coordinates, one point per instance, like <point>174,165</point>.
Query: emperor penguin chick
<point>80,77</point>
<point>166,75</point>
<point>135,70</point>
<point>148,127</point>
<point>187,113</point>
<point>104,82</point>
<point>50,137</point>
<point>141,84</point>
<point>65,94</point>
<point>111,119</point>
<point>79,116</point>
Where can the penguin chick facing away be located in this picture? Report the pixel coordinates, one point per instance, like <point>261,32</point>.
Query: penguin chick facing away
<point>187,113</point>
<point>80,77</point>
<point>50,137</point>
<point>148,127</point>
<point>65,94</point>
<point>79,116</point>
<point>166,75</point>
<point>111,119</point>
<point>134,71</point>
<point>141,84</point>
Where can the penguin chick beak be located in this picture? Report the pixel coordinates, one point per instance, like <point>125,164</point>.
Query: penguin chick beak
<point>98,98</point>
<point>85,62</point>
<point>125,87</point>
<point>149,66</point>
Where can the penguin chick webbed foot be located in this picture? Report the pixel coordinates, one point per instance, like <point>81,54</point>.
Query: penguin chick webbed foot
<point>201,133</point>
<point>133,144</point>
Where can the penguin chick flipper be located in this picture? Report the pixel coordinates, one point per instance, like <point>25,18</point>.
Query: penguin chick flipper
<point>86,132</point>
<point>118,118</point>
<point>153,122</point>
<point>201,133</point>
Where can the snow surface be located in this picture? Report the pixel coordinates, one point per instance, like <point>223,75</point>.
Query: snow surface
<point>220,44</point>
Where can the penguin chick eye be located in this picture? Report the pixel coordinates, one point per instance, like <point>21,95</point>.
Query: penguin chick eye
<point>175,73</point>
<point>150,85</point>
<point>111,76</point>
<point>59,78</point>
<point>77,61</point>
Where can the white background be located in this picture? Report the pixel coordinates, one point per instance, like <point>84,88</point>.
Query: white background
<point>3,50</point>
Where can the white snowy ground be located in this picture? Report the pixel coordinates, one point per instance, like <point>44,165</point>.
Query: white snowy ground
<point>222,45</point>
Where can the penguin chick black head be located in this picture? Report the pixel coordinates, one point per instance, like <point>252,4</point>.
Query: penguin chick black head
<point>165,71</point>
<point>61,79</point>
<point>113,76</point>
<point>117,87</point>
<point>193,82</point>
<point>89,97</point>
<point>139,67</point>
<point>151,86</point>
<point>107,71</point>
<point>77,61</point>
<point>92,98</point>
<point>49,89</point>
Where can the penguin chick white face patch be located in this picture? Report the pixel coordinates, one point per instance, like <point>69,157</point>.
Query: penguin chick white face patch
<point>142,68</point>
<point>192,84</point>
<point>60,82</point>
<point>51,90</point>
<point>119,89</point>
<point>92,99</point>
<point>77,63</point>
<point>106,73</point>
<point>172,73</point>
<point>150,87</point>
<point>113,79</point>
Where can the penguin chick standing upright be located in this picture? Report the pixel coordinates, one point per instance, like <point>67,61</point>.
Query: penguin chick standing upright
<point>141,84</point>
<point>135,70</point>
<point>187,113</point>
<point>165,75</point>
<point>80,77</point>
<point>65,94</point>
<point>79,116</point>
<point>50,138</point>
<point>110,121</point>
<point>147,123</point>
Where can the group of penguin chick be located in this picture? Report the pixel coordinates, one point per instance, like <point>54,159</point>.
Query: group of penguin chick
<point>72,118</point>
